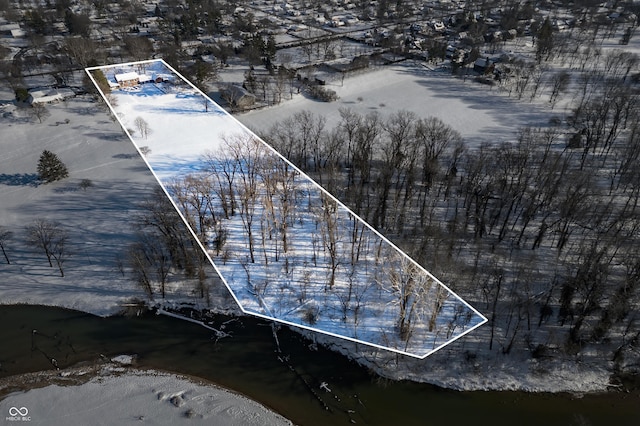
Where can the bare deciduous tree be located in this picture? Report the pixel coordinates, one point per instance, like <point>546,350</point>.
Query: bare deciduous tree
<point>51,238</point>
<point>414,291</point>
<point>331,235</point>
<point>39,111</point>
<point>82,50</point>
<point>559,83</point>
<point>85,184</point>
<point>143,127</point>
<point>247,153</point>
<point>140,267</point>
<point>5,236</point>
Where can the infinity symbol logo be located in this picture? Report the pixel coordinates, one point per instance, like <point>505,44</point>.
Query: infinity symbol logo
<point>22,411</point>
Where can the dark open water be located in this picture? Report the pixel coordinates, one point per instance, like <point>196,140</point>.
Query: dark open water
<point>249,364</point>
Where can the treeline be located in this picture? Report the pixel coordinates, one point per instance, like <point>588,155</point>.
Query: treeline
<point>539,233</point>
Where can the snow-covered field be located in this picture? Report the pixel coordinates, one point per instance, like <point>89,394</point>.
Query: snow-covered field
<point>367,301</point>
<point>93,148</point>
<point>124,396</point>
<point>479,114</point>
<point>98,219</point>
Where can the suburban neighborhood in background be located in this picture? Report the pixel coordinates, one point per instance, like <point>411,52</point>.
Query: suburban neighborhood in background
<point>497,143</point>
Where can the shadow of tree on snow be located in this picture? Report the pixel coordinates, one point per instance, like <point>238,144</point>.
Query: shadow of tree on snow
<point>66,188</point>
<point>19,179</point>
<point>125,156</point>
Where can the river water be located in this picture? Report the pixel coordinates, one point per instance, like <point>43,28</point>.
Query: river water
<point>289,382</point>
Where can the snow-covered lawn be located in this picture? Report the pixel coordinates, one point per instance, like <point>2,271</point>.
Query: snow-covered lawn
<point>93,148</point>
<point>290,252</point>
<point>98,219</point>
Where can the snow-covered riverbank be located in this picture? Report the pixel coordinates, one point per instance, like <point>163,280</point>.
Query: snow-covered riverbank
<point>120,394</point>
<point>449,369</point>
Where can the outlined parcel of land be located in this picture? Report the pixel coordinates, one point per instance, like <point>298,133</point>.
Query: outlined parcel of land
<point>286,249</point>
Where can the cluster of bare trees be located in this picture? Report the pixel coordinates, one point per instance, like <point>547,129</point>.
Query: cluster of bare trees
<point>302,256</point>
<point>142,126</point>
<point>164,251</point>
<point>273,87</point>
<point>582,65</point>
<point>380,167</point>
<point>542,232</point>
<point>324,50</point>
<point>45,236</point>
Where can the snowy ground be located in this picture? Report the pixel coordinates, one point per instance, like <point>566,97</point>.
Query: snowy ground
<point>479,114</point>
<point>124,396</point>
<point>92,149</point>
<point>449,369</point>
<point>98,219</point>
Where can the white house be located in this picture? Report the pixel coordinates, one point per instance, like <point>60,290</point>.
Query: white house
<point>19,33</point>
<point>48,96</point>
<point>145,78</point>
<point>127,79</point>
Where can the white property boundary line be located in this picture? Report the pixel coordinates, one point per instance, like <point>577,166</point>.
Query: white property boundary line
<point>407,257</point>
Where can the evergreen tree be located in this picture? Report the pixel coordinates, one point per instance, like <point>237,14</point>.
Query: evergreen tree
<point>102,81</point>
<point>22,94</point>
<point>50,168</point>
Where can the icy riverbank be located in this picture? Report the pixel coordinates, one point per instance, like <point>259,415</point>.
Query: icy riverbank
<point>126,395</point>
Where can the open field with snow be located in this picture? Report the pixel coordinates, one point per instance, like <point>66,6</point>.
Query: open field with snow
<point>479,114</point>
<point>93,149</point>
